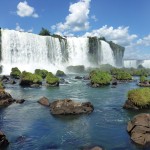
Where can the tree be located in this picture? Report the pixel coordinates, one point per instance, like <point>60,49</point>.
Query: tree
<point>44,32</point>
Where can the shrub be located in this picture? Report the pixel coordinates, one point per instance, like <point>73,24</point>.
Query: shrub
<point>51,79</point>
<point>143,79</point>
<point>44,32</point>
<point>100,77</point>
<point>140,97</point>
<point>123,76</point>
<point>15,73</point>
<point>43,73</point>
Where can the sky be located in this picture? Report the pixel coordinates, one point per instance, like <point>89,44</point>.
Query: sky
<point>125,22</point>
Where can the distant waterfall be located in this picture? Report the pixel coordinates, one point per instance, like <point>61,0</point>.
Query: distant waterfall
<point>29,51</point>
<point>106,54</point>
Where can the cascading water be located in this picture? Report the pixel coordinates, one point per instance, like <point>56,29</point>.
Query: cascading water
<point>106,54</point>
<point>78,49</point>
<point>146,63</point>
<point>29,51</point>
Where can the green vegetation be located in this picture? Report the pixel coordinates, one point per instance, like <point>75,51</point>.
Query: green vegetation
<point>15,73</point>
<point>123,76</point>
<point>43,73</point>
<point>100,77</point>
<point>140,97</point>
<point>28,78</point>
<point>44,32</point>
<point>143,79</point>
<point>1,86</point>
<point>60,73</point>
<point>51,79</point>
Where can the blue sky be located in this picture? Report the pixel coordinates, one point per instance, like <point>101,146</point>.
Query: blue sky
<point>126,22</point>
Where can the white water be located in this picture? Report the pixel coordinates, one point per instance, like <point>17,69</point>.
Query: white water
<point>106,54</point>
<point>130,64</point>
<point>78,51</point>
<point>29,51</point>
<point>146,63</point>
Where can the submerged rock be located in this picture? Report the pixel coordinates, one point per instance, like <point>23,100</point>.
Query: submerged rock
<point>78,77</point>
<point>139,129</point>
<point>20,101</point>
<point>67,106</point>
<point>3,140</point>
<point>44,101</point>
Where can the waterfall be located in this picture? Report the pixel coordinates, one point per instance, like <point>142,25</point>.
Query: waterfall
<point>78,49</point>
<point>29,51</point>
<point>146,63</point>
<point>105,54</point>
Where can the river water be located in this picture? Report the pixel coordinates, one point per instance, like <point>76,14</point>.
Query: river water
<point>30,126</point>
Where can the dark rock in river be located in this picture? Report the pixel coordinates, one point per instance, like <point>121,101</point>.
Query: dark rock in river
<point>5,98</point>
<point>3,140</point>
<point>139,129</point>
<point>44,101</point>
<point>67,106</point>
<point>20,101</point>
<point>78,77</point>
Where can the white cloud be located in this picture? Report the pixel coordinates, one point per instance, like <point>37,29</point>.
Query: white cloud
<point>118,35</point>
<point>18,28</point>
<point>94,18</point>
<point>24,10</point>
<point>145,41</point>
<point>78,18</point>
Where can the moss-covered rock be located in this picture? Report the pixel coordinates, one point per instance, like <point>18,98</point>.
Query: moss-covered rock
<point>1,86</point>
<point>100,78</point>
<point>138,98</point>
<point>43,73</point>
<point>60,73</point>
<point>15,73</point>
<point>52,80</point>
<point>28,79</point>
<point>123,76</point>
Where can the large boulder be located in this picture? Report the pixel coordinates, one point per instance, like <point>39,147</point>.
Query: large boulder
<point>3,140</point>
<point>60,73</point>
<point>67,106</point>
<point>15,73</point>
<point>139,129</point>
<point>5,98</point>
<point>44,101</point>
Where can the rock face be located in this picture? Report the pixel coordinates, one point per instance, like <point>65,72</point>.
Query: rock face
<point>67,106</point>
<point>5,98</point>
<point>130,105</point>
<point>139,129</point>
<point>44,101</point>
<point>3,141</point>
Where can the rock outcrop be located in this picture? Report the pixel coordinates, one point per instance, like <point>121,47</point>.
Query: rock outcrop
<point>44,101</point>
<point>3,140</point>
<point>139,129</point>
<point>67,106</point>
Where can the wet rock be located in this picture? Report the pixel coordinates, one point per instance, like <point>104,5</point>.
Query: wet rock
<point>139,129</point>
<point>78,77</point>
<point>86,78</point>
<point>114,83</point>
<point>130,105</point>
<point>20,101</point>
<point>12,81</point>
<point>67,106</point>
<point>5,98</point>
<point>44,101</point>
<point>3,140</point>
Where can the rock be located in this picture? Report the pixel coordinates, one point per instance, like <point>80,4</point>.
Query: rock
<point>20,101</point>
<point>3,140</point>
<point>130,105</point>
<point>67,106</point>
<point>78,77</point>
<point>113,86</point>
<point>114,82</point>
<point>52,80</point>
<point>92,148</point>
<point>139,129</point>
<point>12,82</point>
<point>44,101</point>
<point>60,73</point>
<point>5,98</point>
<point>5,78</point>
<point>86,78</point>
<point>35,86</point>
